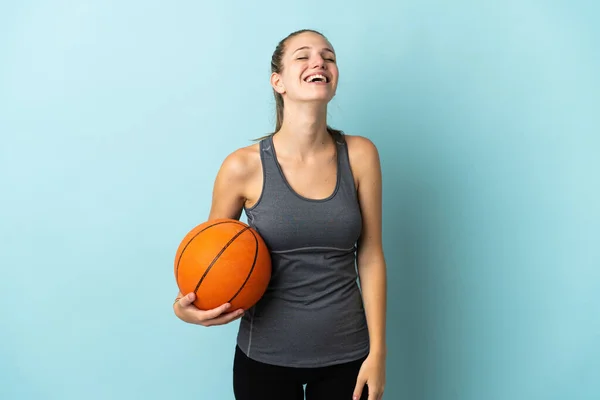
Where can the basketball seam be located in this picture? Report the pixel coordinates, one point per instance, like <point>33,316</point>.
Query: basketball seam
<point>217,257</point>
<point>251,268</point>
<point>195,236</point>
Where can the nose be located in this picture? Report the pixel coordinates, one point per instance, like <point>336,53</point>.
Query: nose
<point>319,62</point>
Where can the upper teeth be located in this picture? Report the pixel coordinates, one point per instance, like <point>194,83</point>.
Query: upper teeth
<point>313,77</point>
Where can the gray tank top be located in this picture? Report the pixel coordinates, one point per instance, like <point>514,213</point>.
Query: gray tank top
<point>312,313</point>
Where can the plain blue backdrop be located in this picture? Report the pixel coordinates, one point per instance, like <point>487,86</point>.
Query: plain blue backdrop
<point>116,115</point>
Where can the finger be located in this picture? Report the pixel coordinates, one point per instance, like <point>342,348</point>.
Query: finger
<point>187,299</point>
<point>360,383</point>
<point>224,319</point>
<point>375,393</point>
<point>215,312</point>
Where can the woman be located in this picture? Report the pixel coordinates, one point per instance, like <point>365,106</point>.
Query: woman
<point>314,195</point>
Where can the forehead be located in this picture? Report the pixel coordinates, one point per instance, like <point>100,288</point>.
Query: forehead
<point>307,39</point>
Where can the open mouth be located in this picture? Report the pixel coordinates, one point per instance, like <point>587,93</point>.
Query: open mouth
<point>316,78</point>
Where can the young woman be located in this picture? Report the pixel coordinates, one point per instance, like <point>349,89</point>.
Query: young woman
<point>314,195</point>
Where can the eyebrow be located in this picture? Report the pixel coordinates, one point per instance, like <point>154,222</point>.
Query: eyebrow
<point>307,47</point>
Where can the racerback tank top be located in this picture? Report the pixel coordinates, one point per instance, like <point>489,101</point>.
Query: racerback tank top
<point>312,313</point>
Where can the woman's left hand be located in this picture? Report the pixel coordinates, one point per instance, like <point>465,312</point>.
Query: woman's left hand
<point>372,372</point>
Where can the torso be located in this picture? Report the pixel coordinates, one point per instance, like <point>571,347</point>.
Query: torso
<point>309,216</point>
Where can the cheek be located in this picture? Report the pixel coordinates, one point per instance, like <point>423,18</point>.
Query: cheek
<point>293,80</point>
<point>335,71</point>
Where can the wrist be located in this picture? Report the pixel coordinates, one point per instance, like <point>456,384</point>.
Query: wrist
<point>378,350</point>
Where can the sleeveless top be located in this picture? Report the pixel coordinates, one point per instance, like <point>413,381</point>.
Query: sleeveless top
<point>312,313</point>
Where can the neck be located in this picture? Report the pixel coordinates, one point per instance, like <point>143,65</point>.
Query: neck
<point>304,129</point>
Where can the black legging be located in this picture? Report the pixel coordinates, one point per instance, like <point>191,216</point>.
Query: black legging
<point>253,380</point>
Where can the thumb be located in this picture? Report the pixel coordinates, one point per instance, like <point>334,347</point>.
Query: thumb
<point>187,299</point>
<point>358,389</point>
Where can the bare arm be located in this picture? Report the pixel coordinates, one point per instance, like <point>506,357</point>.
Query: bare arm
<point>365,163</point>
<point>227,202</point>
<point>370,259</point>
<point>228,195</point>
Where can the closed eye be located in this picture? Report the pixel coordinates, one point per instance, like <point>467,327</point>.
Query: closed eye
<point>306,58</point>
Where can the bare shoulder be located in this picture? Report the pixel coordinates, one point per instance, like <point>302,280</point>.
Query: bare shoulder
<point>242,163</point>
<point>234,182</point>
<point>363,154</point>
<point>360,146</point>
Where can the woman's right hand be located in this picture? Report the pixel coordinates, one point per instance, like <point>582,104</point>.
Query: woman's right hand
<point>188,312</point>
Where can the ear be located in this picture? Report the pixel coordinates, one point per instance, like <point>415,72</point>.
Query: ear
<point>277,83</point>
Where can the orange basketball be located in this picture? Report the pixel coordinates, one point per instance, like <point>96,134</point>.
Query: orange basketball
<point>223,261</point>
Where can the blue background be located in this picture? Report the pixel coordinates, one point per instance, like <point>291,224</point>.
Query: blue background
<point>116,115</point>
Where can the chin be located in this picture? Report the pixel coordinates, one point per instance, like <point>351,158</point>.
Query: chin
<point>321,98</point>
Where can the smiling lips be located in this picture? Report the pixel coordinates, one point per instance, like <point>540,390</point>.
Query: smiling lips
<point>317,78</point>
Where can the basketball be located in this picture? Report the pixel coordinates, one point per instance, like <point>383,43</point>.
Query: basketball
<point>223,261</point>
